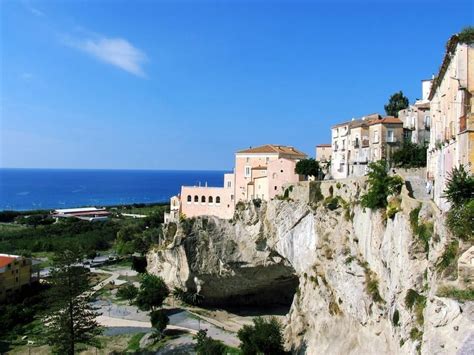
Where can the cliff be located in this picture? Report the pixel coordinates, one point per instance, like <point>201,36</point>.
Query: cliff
<point>358,281</point>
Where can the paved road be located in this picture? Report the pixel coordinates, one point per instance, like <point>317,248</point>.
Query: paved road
<point>113,315</point>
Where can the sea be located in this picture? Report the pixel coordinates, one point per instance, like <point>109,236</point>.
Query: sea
<point>33,189</point>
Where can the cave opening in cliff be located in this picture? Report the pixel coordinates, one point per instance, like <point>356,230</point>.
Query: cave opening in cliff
<point>267,291</point>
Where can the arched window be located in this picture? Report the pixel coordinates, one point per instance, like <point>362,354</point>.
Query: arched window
<point>211,200</point>
<point>196,199</point>
<point>218,199</point>
<point>189,198</point>
<point>203,199</point>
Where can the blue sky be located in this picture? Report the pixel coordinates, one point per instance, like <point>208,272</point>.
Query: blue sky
<point>184,84</point>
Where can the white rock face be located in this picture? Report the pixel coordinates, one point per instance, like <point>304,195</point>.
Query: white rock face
<point>354,275</point>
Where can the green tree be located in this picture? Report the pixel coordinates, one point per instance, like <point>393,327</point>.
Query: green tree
<point>397,102</point>
<point>381,185</point>
<point>410,155</point>
<point>308,167</point>
<point>71,319</point>
<point>263,337</point>
<point>207,346</point>
<point>159,320</point>
<point>127,292</point>
<point>152,293</point>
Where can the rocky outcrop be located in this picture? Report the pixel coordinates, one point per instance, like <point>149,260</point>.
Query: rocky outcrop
<point>358,281</point>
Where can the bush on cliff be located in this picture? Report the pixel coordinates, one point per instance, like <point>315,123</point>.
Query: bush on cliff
<point>381,185</point>
<point>460,193</point>
<point>263,337</point>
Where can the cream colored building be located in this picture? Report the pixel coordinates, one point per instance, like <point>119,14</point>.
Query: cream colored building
<point>385,136</point>
<point>452,129</point>
<point>323,153</point>
<point>361,141</point>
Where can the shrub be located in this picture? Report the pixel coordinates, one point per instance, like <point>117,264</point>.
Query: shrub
<point>416,334</point>
<point>460,222</point>
<point>264,336</point>
<point>460,295</point>
<point>208,346</point>
<point>410,156</point>
<point>414,300</point>
<point>449,255</point>
<point>396,318</point>
<point>459,186</point>
<point>394,206</point>
<point>331,203</point>
<point>423,231</point>
<point>381,185</point>
<point>159,320</point>
<point>127,292</point>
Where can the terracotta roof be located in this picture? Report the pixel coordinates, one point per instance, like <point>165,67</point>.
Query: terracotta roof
<point>272,148</point>
<point>259,168</point>
<point>324,145</point>
<point>386,120</point>
<point>5,260</point>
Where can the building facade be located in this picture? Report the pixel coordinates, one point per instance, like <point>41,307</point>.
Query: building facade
<point>452,130</point>
<point>15,272</point>
<point>358,142</point>
<point>259,173</point>
<point>417,119</point>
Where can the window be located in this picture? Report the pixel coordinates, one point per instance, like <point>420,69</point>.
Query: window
<point>232,197</point>
<point>210,199</point>
<point>189,198</point>
<point>248,171</point>
<point>247,160</point>
<point>203,199</point>
<point>267,159</point>
<point>281,171</point>
<point>229,183</point>
<point>390,136</point>
<point>376,136</point>
<point>356,142</point>
<point>218,199</point>
<point>275,188</point>
<point>196,199</point>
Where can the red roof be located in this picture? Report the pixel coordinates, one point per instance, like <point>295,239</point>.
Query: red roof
<point>385,120</point>
<point>5,260</point>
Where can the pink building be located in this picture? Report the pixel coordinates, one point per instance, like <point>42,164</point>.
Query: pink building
<point>259,173</point>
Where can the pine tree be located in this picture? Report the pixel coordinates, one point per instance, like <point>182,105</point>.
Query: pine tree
<point>71,320</point>
<point>397,102</point>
